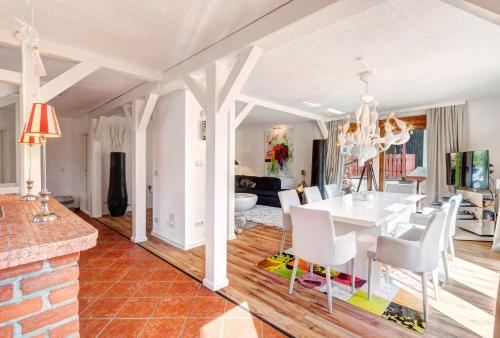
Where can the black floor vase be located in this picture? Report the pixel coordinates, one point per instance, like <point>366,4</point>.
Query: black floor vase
<point>117,191</point>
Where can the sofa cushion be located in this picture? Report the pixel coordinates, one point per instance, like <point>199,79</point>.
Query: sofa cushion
<point>268,183</point>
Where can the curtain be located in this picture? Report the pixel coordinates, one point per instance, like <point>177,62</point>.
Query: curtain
<point>445,135</point>
<point>334,159</point>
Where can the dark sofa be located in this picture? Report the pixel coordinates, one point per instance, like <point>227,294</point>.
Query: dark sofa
<point>266,189</point>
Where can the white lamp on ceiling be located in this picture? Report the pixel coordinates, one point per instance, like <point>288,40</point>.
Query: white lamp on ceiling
<point>366,141</point>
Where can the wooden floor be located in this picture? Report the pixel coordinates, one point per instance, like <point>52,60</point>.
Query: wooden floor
<point>466,307</point>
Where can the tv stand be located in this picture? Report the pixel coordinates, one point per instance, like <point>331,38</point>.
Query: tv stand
<point>482,208</point>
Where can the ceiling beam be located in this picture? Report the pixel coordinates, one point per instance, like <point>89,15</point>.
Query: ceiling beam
<point>9,99</point>
<point>198,89</point>
<point>67,79</point>
<point>243,114</point>
<point>280,107</point>
<point>56,50</point>
<point>486,9</point>
<point>10,77</point>
<point>323,129</point>
<point>245,63</point>
<point>147,112</point>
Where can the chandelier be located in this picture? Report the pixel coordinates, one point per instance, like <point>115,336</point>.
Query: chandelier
<point>366,141</point>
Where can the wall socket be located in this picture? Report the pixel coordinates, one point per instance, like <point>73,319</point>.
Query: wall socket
<point>156,220</point>
<point>199,224</point>
<point>171,220</point>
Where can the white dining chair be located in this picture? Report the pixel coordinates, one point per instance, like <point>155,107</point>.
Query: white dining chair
<point>312,194</point>
<point>420,256</point>
<point>453,223</point>
<point>287,199</point>
<point>406,188</point>
<point>332,190</point>
<point>314,240</point>
<point>446,242</point>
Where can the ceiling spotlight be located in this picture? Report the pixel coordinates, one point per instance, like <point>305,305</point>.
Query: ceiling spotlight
<point>335,111</point>
<point>312,104</point>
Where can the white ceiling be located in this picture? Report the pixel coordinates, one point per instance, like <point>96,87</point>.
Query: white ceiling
<point>155,34</point>
<point>421,52</point>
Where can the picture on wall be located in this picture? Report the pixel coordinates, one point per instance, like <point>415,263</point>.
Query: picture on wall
<point>279,152</point>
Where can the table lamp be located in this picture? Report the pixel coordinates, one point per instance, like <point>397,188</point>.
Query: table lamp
<point>30,141</point>
<point>42,123</point>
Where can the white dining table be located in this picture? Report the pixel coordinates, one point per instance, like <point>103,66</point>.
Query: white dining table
<point>376,216</point>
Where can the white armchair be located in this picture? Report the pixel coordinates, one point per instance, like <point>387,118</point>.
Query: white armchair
<point>332,190</point>
<point>419,255</point>
<point>315,241</point>
<point>312,194</point>
<point>287,199</point>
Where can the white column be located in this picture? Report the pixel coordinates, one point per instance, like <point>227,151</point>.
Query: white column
<point>139,186</point>
<point>230,183</point>
<point>29,90</point>
<point>94,161</point>
<point>217,182</point>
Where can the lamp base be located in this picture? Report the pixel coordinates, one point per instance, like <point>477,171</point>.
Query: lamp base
<point>45,217</point>
<point>28,197</point>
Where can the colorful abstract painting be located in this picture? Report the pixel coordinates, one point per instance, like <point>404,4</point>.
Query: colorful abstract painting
<point>279,152</point>
<point>389,301</point>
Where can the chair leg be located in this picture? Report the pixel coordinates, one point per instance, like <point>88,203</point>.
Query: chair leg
<point>294,272</point>
<point>424,296</point>
<point>353,273</point>
<point>452,249</point>
<point>282,245</point>
<point>435,282</point>
<point>370,275</point>
<point>329,289</point>
<point>445,265</point>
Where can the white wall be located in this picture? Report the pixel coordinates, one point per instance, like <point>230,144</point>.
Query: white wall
<point>179,166</point>
<point>64,158</point>
<point>482,126</point>
<point>8,144</point>
<point>250,149</point>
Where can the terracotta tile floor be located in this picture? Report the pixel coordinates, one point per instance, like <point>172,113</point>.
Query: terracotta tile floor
<point>127,292</point>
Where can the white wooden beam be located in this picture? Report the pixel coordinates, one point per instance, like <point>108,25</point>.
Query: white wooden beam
<point>243,114</point>
<point>8,100</point>
<point>10,76</point>
<point>216,182</point>
<point>245,63</point>
<point>148,111</point>
<point>197,88</point>
<point>322,128</point>
<point>66,52</point>
<point>67,79</point>
<point>486,9</point>
<point>280,107</point>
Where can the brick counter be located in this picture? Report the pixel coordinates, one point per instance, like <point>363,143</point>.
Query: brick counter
<point>39,270</point>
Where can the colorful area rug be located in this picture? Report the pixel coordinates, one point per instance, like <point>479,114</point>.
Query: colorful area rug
<point>388,300</point>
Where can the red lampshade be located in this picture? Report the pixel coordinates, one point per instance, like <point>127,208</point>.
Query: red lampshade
<point>28,139</point>
<point>42,121</point>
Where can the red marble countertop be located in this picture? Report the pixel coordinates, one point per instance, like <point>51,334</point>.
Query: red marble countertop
<point>22,241</point>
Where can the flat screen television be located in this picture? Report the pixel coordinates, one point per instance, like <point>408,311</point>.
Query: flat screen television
<point>468,169</point>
